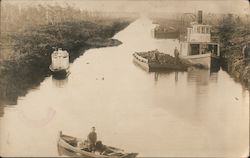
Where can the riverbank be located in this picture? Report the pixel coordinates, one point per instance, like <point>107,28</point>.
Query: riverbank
<point>29,66</point>
<point>233,37</point>
<point>234,63</point>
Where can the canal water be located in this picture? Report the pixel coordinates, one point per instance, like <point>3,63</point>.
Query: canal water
<point>195,113</point>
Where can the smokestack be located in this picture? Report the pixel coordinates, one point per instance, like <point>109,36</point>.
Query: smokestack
<point>199,19</point>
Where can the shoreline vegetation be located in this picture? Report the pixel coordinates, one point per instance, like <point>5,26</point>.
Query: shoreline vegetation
<point>29,65</point>
<point>234,34</point>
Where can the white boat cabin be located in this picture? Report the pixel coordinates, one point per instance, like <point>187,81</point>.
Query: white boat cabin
<point>199,41</point>
<point>198,33</point>
<point>60,60</point>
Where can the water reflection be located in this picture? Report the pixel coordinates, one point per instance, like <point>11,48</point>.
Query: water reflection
<point>1,111</point>
<point>17,78</point>
<point>198,76</point>
<point>60,82</point>
<point>176,77</point>
<point>156,76</point>
<point>213,76</point>
<point>201,76</point>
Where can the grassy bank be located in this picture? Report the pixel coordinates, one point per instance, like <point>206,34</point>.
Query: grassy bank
<point>29,66</point>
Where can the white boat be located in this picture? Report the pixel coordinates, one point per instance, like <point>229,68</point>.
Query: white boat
<point>59,62</point>
<point>198,48</point>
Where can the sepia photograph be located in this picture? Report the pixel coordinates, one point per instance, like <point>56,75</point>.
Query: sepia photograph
<point>124,78</point>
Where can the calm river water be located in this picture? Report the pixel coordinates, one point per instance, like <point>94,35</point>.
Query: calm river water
<point>195,113</point>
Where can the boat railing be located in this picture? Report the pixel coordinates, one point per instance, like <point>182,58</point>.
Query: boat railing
<point>141,59</point>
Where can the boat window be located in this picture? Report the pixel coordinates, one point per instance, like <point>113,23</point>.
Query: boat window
<point>207,30</point>
<point>194,49</point>
<point>198,29</point>
<point>203,29</point>
<point>213,48</point>
<point>203,49</point>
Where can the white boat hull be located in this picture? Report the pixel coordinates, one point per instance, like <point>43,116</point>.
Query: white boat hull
<point>203,59</point>
<point>59,72</point>
<point>143,63</point>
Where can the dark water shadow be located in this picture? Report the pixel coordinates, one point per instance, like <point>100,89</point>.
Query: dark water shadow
<point>1,111</point>
<point>60,81</point>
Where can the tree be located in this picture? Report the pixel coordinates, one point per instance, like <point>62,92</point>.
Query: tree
<point>227,27</point>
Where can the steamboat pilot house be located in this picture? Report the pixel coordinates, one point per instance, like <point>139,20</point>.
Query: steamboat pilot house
<point>198,47</point>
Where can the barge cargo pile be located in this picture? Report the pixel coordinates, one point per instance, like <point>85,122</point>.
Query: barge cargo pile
<point>155,60</point>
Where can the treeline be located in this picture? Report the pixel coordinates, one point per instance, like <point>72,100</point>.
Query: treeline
<point>15,18</point>
<point>19,18</point>
<point>233,31</point>
<point>183,20</point>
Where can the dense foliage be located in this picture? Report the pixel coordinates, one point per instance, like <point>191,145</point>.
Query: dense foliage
<point>234,33</point>
<point>68,35</point>
<point>226,27</point>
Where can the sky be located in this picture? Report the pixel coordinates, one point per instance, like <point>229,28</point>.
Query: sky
<point>143,6</point>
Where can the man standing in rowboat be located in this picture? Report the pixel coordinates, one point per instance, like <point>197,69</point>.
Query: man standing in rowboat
<point>92,138</point>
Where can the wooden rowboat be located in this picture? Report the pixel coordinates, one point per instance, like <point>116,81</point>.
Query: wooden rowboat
<point>69,144</point>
